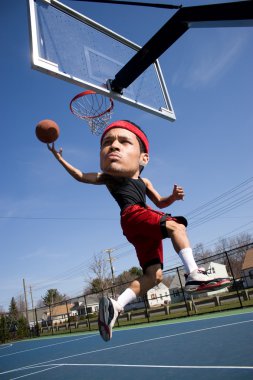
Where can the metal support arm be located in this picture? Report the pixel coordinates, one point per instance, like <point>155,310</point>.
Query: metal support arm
<point>234,14</point>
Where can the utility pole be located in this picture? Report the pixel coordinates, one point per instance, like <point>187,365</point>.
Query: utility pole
<point>111,259</point>
<point>26,309</point>
<point>32,304</point>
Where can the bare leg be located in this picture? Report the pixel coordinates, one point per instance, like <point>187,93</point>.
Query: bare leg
<point>108,306</point>
<point>177,234</point>
<point>181,244</point>
<point>152,276</point>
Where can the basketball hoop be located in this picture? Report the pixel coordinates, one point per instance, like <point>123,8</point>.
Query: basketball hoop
<point>94,108</point>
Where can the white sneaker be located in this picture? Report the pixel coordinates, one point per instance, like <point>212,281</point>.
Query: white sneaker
<point>109,310</point>
<point>199,281</point>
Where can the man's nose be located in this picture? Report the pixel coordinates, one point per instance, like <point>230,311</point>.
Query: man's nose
<point>115,145</point>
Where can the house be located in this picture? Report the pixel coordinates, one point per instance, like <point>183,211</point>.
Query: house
<point>159,295</point>
<point>89,306</point>
<point>176,292</point>
<point>247,269</point>
<point>60,313</point>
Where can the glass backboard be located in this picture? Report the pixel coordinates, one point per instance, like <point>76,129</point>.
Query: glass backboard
<point>71,46</point>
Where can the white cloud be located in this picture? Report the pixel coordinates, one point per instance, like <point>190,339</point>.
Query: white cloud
<point>209,62</point>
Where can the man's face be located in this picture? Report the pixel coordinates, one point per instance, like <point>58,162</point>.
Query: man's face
<point>120,154</point>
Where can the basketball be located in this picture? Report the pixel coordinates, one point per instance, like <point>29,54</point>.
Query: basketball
<point>47,131</point>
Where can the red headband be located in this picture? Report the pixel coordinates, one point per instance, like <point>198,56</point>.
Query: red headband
<point>130,127</point>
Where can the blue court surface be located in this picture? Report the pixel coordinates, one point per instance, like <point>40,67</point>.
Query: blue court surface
<point>212,347</point>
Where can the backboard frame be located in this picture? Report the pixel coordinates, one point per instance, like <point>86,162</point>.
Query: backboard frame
<point>52,69</point>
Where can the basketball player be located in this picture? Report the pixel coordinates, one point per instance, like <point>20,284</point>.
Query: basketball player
<point>123,155</point>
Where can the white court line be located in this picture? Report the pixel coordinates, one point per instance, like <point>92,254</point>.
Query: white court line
<point>34,373</point>
<point>148,366</point>
<point>48,345</point>
<point>122,329</point>
<point>4,346</point>
<point>113,365</point>
<point>126,345</point>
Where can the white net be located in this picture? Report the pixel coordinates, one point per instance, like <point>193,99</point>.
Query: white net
<point>95,109</point>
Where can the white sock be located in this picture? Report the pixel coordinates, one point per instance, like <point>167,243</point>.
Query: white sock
<point>126,297</point>
<point>188,260</point>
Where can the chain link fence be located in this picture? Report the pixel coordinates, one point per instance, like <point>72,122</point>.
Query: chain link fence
<point>167,300</point>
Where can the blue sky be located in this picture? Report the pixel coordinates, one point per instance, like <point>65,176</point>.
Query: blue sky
<point>50,225</point>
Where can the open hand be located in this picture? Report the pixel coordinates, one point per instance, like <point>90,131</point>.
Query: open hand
<point>57,154</point>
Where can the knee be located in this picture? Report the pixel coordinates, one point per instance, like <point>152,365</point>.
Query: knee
<point>154,276</point>
<point>159,276</point>
<point>174,227</point>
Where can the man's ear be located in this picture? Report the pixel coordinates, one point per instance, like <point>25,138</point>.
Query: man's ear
<point>144,159</point>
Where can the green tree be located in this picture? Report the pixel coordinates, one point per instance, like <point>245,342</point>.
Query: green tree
<point>126,277</point>
<point>13,310</point>
<point>129,275</point>
<point>53,296</point>
<point>4,330</point>
<point>22,328</point>
<point>97,285</point>
<point>13,315</point>
<point>135,271</point>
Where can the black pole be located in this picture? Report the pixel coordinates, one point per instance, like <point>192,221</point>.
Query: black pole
<point>52,327</point>
<point>145,298</point>
<point>136,3</point>
<point>238,13</point>
<point>234,280</point>
<point>68,316</point>
<point>37,323</point>
<point>185,301</point>
<point>87,314</point>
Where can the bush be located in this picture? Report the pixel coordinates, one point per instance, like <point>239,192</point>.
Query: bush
<point>22,328</point>
<point>4,330</point>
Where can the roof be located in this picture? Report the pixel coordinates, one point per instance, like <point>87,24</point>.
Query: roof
<point>248,260</point>
<point>60,310</point>
<point>175,283</point>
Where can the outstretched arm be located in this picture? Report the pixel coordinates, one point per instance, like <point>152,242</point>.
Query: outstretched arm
<point>91,178</point>
<point>162,202</point>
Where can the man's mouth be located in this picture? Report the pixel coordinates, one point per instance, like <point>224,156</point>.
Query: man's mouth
<point>113,156</point>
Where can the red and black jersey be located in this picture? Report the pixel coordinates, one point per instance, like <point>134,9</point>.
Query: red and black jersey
<point>127,191</point>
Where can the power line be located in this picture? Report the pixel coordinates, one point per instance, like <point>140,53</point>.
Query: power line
<point>221,211</point>
<point>222,200</point>
<point>211,242</point>
<point>231,199</point>
<point>223,195</point>
<point>71,272</point>
<point>194,214</point>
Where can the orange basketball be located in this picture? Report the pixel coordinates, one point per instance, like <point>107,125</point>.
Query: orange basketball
<point>47,131</point>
